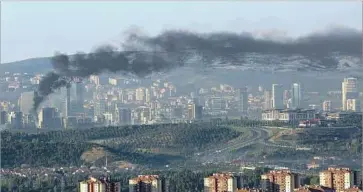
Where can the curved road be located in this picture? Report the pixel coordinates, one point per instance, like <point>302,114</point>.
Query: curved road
<point>258,135</point>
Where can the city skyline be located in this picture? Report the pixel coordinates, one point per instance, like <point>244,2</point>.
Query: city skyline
<point>232,96</point>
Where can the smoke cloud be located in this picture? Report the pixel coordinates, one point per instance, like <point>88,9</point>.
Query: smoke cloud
<point>142,55</point>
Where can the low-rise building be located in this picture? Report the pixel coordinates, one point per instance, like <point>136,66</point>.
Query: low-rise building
<point>313,188</point>
<point>288,115</point>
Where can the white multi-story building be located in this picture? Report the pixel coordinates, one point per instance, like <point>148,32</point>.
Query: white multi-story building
<point>327,106</point>
<point>288,115</point>
<point>353,105</point>
<point>349,91</point>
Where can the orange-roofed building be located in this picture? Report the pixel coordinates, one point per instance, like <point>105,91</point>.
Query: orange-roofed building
<point>352,189</point>
<point>146,183</point>
<point>279,181</point>
<point>339,178</point>
<point>220,182</point>
<point>313,188</point>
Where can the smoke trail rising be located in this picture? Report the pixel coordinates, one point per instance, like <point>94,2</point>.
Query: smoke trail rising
<point>142,55</point>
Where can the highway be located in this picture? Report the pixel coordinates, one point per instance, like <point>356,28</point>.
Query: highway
<point>257,135</point>
<point>260,135</point>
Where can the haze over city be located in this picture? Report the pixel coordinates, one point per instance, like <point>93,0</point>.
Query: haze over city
<point>204,96</point>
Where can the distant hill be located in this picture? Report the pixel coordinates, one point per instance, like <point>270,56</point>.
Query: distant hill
<point>246,61</point>
<point>33,65</point>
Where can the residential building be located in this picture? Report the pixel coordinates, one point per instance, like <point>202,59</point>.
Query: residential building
<point>352,189</point>
<point>338,178</point>
<point>95,79</point>
<point>68,102</point>
<point>48,118</point>
<point>79,108</point>
<point>17,120</point>
<point>353,105</point>
<point>220,182</point>
<point>146,183</point>
<point>123,116</point>
<point>277,96</point>
<point>295,96</point>
<point>280,181</point>
<point>243,100</point>
<point>349,91</point>
<point>267,100</point>
<point>327,106</point>
<point>140,94</point>
<point>99,185</point>
<point>100,107</point>
<point>195,112</point>
<point>313,188</point>
<point>3,117</point>
<point>26,102</point>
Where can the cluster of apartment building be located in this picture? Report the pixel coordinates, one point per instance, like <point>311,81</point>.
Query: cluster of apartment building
<point>99,185</point>
<point>277,110</point>
<point>108,100</point>
<point>334,179</point>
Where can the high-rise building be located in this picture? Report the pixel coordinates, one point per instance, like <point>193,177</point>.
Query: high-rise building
<point>123,116</point>
<point>277,96</point>
<point>217,103</point>
<point>243,100</point>
<point>295,96</point>
<point>3,117</point>
<point>267,100</point>
<point>26,102</point>
<point>100,107</point>
<point>47,118</point>
<point>140,94</point>
<point>147,95</point>
<point>353,105</point>
<point>195,112</point>
<point>349,91</point>
<point>327,106</point>
<point>147,183</point>
<point>219,182</point>
<point>95,79</point>
<point>337,178</point>
<point>79,108</point>
<point>67,108</point>
<point>99,185</point>
<point>280,181</point>
<point>286,97</point>
<point>17,120</point>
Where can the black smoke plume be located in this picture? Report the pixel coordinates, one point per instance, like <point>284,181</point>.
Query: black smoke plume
<point>142,55</point>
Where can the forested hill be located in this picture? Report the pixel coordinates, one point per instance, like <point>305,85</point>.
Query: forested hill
<point>66,147</point>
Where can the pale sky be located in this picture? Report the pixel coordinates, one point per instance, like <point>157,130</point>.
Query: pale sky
<point>38,29</point>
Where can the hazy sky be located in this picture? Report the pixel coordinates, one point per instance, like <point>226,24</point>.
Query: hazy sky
<point>38,29</point>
